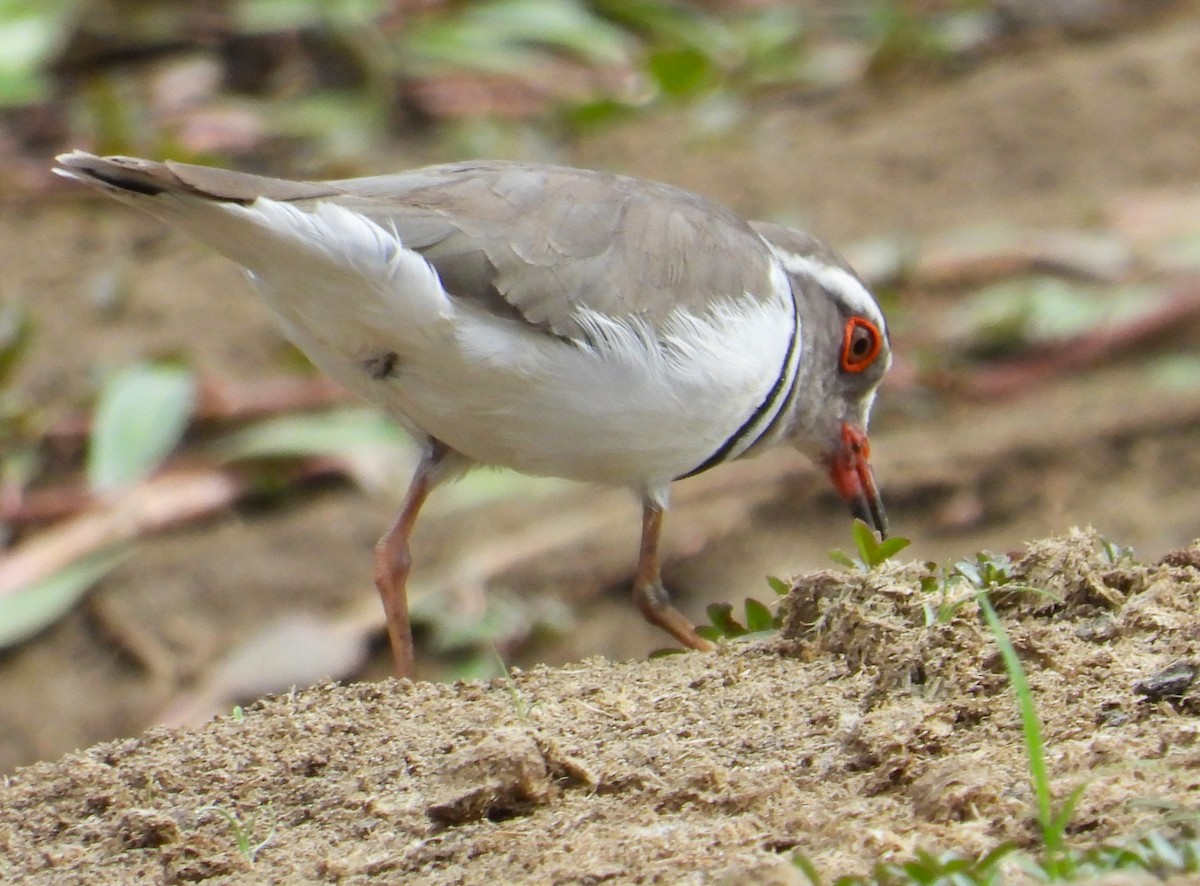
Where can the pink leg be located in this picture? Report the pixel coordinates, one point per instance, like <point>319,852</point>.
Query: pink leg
<point>393,561</point>
<point>648,591</point>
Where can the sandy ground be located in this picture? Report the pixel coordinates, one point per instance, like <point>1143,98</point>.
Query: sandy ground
<point>868,726</point>
<point>860,732</point>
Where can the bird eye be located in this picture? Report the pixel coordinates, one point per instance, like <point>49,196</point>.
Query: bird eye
<point>861,344</point>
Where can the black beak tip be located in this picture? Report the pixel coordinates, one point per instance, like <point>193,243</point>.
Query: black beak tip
<point>872,513</point>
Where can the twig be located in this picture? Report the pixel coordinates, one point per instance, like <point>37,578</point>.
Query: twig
<point>166,500</point>
<point>1084,351</point>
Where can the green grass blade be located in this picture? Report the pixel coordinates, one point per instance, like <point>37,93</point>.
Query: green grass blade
<point>1034,743</point>
<point>804,865</point>
<point>993,857</point>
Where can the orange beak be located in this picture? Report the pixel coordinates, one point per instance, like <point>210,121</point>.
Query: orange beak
<point>850,469</point>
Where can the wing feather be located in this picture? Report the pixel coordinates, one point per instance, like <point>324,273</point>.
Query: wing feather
<point>534,243</point>
<point>550,241</point>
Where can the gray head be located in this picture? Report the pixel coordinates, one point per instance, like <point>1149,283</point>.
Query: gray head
<point>847,351</point>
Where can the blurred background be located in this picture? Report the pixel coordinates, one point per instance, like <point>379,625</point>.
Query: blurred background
<point>187,509</point>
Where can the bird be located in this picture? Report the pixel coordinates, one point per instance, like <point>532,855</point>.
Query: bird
<point>558,321</point>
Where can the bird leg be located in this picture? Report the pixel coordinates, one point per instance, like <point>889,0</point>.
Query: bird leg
<point>648,591</point>
<point>393,561</point>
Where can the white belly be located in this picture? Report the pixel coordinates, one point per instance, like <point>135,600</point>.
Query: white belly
<point>630,409</point>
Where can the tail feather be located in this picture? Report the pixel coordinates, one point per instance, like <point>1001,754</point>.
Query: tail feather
<point>117,174</point>
<point>340,282</point>
<point>131,176</point>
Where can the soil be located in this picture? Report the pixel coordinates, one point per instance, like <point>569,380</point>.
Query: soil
<point>868,726</point>
<point>861,731</point>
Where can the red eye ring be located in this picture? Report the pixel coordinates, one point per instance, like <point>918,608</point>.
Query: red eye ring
<point>861,344</point>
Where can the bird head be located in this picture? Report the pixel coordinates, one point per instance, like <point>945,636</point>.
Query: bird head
<point>845,353</point>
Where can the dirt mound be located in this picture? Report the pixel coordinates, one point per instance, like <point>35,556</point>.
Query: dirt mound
<point>879,720</point>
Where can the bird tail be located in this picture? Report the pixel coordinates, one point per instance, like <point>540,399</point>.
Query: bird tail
<point>123,177</point>
<point>129,178</point>
<point>318,264</point>
<point>215,206</point>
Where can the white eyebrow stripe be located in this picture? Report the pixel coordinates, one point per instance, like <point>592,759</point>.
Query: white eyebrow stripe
<point>843,285</point>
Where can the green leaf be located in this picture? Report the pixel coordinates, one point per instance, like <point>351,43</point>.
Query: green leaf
<point>841,558</point>
<point>758,617</point>
<point>721,616</point>
<point>805,865</point>
<point>1015,313</point>
<point>872,551</point>
<point>30,35</point>
<point>1164,851</point>
<point>864,540</point>
<point>709,633</point>
<point>592,115</point>
<point>376,451</point>
<point>1062,818</point>
<point>680,72</point>
<point>1177,372</point>
<point>971,573</point>
<point>565,25</point>
<point>889,548</point>
<point>29,610</point>
<point>666,23</point>
<point>338,123</point>
<point>140,417</point>
<point>779,586</point>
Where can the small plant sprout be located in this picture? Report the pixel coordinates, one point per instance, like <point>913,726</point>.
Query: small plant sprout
<point>986,571</point>
<point>938,583</point>
<point>243,831</point>
<point>522,707</point>
<point>990,572</point>
<point>723,626</point>
<point>1116,553</point>
<point>759,618</point>
<point>872,551</point>
<point>924,868</point>
<point>964,580</point>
